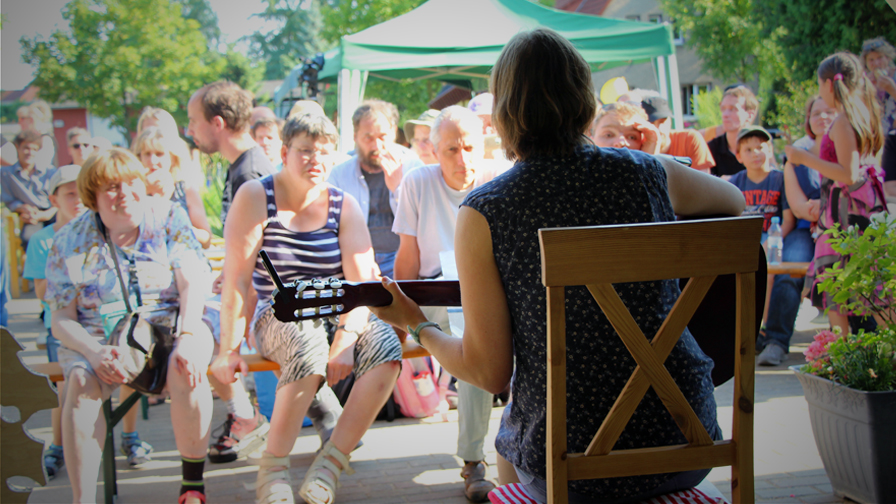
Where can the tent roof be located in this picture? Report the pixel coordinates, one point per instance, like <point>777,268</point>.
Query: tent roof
<point>461,39</point>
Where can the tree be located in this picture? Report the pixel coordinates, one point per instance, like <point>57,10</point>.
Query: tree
<point>296,37</point>
<point>813,29</point>
<point>201,11</point>
<point>241,69</point>
<point>123,55</point>
<point>344,17</point>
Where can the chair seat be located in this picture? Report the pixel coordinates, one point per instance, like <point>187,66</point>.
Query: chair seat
<point>704,493</point>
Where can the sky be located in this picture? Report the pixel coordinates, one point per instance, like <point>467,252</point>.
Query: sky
<point>30,18</point>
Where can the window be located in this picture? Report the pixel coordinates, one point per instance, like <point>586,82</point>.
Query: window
<point>655,18</point>
<point>634,17</point>
<point>688,92</point>
<point>677,34</point>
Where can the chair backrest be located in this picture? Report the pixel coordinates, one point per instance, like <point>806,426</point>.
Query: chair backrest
<point>598,257</point>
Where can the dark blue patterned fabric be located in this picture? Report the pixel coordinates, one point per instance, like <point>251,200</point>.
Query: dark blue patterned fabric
<point>591,187</point>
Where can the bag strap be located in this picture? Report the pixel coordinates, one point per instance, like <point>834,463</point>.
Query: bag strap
<point>125,292</point>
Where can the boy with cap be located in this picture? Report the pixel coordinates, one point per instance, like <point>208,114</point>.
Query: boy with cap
<point>417,132</point>
<point>63,189</point>
<point>763,187</point>
<point>685,143</point>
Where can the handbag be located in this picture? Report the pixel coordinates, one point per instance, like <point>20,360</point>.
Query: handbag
<point>143,346</point>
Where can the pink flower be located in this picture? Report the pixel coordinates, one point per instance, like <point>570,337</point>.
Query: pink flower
<point>819,347</point>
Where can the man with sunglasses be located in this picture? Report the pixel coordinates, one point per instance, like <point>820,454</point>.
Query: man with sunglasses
<point>80,145</point>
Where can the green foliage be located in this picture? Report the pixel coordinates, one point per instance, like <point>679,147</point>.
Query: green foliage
<point>123,55</point>
<point>790,107</point>
<point>344,17</point>
<point>214,167</point>
<point>8,111</point>
<point>241,69</point>
<point>809,30</point>
<point>297,36</point>
<point>201,11</point>
<point>866,284</point>
<point>863,361</point>
<point>706,104</point>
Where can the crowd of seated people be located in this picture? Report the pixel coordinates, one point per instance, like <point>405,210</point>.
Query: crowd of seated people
<point>389,211</point>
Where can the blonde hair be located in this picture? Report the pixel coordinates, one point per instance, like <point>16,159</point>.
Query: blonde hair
<point>624,110</point>
<point>165,119</point>
<point>113,165</point>
<point>159,140</point>
<point>855,93</point>
<point>544,96</point>
<point>751,104</point>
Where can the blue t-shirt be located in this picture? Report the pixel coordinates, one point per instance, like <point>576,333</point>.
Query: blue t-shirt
<point>36,261</point>
<point>766,198</point>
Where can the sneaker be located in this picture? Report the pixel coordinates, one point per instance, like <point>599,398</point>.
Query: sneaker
<point>238,437</point>
<point>53,461</point>
<point>772,355</point>
<point>135,450</point>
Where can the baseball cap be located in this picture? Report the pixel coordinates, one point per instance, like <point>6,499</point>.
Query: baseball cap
<point>753,130</point>
<point>657,108</point>
<point>427,118</point>
<point>64,175</point>
<point>481,104</point>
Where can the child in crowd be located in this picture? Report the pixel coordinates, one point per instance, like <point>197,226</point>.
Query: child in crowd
<point>64,197</point>
<point>624,125</point>
<point>846,163</point>
<point>24,185</point>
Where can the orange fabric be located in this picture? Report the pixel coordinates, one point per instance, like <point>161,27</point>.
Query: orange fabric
<point>690,143</point>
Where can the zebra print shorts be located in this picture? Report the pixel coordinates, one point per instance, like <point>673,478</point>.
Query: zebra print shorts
<point>301,348</point>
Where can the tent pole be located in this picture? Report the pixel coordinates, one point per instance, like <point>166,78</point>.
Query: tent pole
<point>675,91</point>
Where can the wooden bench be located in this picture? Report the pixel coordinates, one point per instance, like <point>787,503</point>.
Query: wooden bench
<point>794,269</point>
<point>114,415</point>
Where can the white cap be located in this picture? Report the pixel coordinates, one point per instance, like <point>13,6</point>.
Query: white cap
<point>64,175</point>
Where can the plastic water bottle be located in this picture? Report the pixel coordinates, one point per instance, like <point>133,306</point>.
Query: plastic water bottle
<point>775,242</point>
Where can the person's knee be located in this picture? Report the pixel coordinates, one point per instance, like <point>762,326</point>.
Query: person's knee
<point>81,383</point>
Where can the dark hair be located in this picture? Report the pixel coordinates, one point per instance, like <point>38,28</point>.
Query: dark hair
<point>229,101</point>
<point>854,91</point>
<point>878,45</point>
<point>809,104</point>
<point>316,126</point>
<point>371,107</point>
<point>266,122</point>
<point>544,97</point>
<point>28,136</point>
<point>753,134</point>
<point>73,132</point>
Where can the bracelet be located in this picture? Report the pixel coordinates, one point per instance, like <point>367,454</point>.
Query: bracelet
<point>415,333</point>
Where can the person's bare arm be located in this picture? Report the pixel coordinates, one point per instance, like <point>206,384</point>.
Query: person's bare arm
<point>694,193</point>
<point>846,170</point>
<point>196,209</point>
<point>407,259</point>
<point>242,238</point>
<point>788,223</point>
<point>800,205</point>
<point>102,358</point>
<point>40,287</point>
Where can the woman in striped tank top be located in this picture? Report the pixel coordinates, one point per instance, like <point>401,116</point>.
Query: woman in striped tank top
<point>310,229</point>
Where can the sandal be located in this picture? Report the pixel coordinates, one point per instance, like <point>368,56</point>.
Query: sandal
<point>272,485</point>
<point>324,474</point>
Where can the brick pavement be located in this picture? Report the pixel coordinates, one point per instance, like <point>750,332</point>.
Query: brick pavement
<point>413,461</point>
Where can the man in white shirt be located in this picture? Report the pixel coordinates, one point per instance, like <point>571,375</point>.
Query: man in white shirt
<point>428,205</point>
<point>373,175</point>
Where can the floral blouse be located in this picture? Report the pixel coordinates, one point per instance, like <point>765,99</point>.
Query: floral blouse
<point>80,266</point>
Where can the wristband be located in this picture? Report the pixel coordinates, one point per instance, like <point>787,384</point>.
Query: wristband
<point>415,333</point>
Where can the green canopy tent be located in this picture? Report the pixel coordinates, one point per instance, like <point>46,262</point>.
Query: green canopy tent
<point>454,40</point>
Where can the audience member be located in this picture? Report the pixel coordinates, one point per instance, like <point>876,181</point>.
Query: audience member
<point>686,143</point>
<point>24,186</point>
<point>425,222</point>
<point>266,133</point>
<point>877,57</point>
<point>482,105</point>
<point>303,107</point>
<point>624,125</point>
<point>158,118</point>
<point>311,230</point>
<point>847,165</point>
<point>80,145</point>
<point>261,112</point>
<point>373,175</point>
<point>417,132</point>
<point>560,180</point>
<point>762,186</point>
<point>739,108</point>
<point>802,185</point>
<point>65,198</point>
<point>79,285</point>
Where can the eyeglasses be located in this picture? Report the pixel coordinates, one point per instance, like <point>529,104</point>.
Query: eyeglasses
<point>84,145</point>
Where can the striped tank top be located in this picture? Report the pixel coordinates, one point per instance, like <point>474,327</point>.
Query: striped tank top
<point>298,255</point>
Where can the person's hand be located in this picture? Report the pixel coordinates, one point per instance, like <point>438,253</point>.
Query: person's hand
<point>402,312</point>
<point>650,137</point>
<point>884,81</point>
<point>187,358</point>
<point>340,364</point>
<point>28,213</point>
<point>391,163</point>
<point>108,366</point>
<point>813,208</point>
<point>795,155</point>
<point>226,364</point>
<point>218,284</point>
<point>160,183</point>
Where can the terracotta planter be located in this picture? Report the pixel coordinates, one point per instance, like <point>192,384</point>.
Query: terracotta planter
<point>855,436</point>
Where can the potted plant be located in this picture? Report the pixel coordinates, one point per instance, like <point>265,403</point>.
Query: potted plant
<point>850,380</point>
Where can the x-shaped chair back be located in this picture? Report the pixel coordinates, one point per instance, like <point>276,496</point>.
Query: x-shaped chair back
<point>598,257</point>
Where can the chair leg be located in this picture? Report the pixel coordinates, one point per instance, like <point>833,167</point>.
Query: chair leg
<point>110,485</point>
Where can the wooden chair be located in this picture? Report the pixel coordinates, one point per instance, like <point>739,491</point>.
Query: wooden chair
<point>598,257</point>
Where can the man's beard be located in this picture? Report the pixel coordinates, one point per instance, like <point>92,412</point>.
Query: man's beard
<point>369,164</point>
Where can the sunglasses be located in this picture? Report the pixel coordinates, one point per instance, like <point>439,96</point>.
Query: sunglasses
<point>79,145</point>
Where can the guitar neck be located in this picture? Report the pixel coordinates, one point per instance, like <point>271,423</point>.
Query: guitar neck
<point>422,292</point>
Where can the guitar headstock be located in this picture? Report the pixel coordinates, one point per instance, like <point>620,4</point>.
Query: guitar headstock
<point>317,298</point>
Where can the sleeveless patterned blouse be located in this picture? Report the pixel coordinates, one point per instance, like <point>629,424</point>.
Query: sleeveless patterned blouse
<point>298,255</point>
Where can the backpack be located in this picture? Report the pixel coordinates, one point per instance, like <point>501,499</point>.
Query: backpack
<point>417,389</point>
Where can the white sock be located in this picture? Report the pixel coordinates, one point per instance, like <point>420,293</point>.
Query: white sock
<point>239,404</point>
